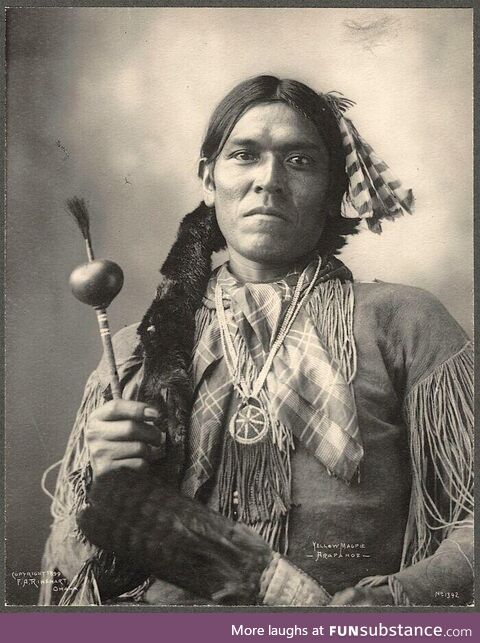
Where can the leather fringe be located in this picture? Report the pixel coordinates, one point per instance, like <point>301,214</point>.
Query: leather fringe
<point>439,413</point>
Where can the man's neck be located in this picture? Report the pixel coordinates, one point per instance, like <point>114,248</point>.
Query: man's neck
<point>246,270</point>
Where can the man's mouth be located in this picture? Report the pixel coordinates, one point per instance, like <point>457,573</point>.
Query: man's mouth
<point>267,211</point>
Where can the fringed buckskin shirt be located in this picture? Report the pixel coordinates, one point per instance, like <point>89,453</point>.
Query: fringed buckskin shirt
<point>405,513</point>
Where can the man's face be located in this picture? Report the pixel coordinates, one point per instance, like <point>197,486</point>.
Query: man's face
<point>268,185</point>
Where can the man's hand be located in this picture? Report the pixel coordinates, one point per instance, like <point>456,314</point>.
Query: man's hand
<point>363,596</point>
<point>123,434</point>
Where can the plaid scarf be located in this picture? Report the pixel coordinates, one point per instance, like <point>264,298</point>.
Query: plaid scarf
<point>307,393</point>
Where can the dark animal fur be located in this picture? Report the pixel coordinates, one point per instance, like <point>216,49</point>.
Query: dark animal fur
<point>167,330</point>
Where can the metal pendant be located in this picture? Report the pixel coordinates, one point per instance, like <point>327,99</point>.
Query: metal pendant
<point>250,423</point>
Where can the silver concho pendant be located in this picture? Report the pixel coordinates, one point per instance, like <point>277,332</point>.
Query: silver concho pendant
<point>250,423</point>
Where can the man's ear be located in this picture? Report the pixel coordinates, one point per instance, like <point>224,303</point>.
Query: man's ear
<point>205,172</point>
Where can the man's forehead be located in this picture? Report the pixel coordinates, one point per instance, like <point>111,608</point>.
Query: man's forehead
<point>275,123</point>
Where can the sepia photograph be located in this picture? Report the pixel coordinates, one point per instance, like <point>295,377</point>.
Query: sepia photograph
<point>239,308</point>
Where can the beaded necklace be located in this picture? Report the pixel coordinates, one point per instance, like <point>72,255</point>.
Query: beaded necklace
<point>250,423</point>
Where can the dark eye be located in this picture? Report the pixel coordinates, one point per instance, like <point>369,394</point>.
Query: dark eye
<point>244,156</point>
<point>300,160</point>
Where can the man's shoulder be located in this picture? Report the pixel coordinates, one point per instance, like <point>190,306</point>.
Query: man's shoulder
<point>394,300</point>
<point>408,321</point>
<point>128,353</point>
<point>126,341</point>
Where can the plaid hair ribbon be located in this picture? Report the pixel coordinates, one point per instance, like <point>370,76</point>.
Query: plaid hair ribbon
<point>373,191</point>
<point>306,389</point>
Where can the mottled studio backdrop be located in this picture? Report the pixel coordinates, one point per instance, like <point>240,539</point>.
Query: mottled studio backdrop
<point>111,104</point>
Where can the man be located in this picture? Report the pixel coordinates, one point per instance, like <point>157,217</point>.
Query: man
<point>333,418</point>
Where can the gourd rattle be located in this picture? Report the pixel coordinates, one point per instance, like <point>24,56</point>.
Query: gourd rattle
<point>96,283</point>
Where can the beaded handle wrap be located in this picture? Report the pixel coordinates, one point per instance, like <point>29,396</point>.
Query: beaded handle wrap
<point>106,338</point>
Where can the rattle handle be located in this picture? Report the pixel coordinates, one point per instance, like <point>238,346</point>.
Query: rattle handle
<point>108,348</point>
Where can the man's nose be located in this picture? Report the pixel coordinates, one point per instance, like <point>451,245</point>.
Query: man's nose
<point>270,176</point>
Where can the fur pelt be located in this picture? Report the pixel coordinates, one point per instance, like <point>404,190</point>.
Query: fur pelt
<point>167,329</point>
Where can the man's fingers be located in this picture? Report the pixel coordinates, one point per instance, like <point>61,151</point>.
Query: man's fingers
<point>135,464</point>
<point>124,434</point>
<point>126,410</point>
<point>111,452</point>
<point>129,450</point>
<point>127,431</point>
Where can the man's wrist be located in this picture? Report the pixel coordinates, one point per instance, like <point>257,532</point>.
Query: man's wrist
<point>284,584</point>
